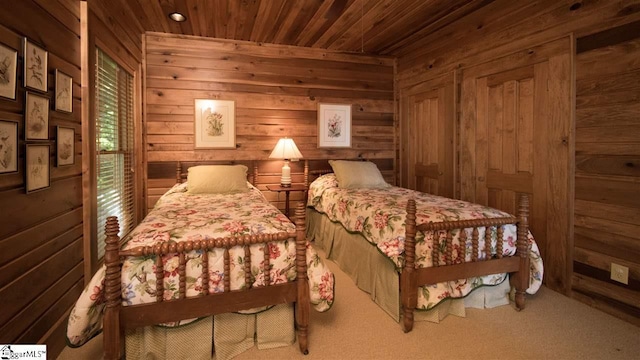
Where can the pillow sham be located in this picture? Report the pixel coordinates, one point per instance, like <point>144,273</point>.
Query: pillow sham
<point>358,174</point>
<point>217,179</point>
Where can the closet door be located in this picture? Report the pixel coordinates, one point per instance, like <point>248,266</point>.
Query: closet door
<point>516,137</point>
<point>427,146</point>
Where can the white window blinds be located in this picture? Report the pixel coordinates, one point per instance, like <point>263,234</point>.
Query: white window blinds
<point>114,146</point>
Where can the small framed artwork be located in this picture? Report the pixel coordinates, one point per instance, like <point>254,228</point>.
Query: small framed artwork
<point>8,72</point>
<point>215,124</point>
<point>37,169</point>
<point>35,66</point>
<point>36,117</point>
<point>334,125</point>
<point>8,146</point>
<point>64,92</point>
<point>65,140</point>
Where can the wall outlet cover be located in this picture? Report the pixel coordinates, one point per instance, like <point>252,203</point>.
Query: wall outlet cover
<point>620,273</point>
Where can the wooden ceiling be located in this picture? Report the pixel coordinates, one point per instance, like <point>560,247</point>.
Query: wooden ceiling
<point>382,27</point>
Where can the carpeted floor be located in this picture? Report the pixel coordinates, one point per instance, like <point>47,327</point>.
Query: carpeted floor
<point>551,327</point>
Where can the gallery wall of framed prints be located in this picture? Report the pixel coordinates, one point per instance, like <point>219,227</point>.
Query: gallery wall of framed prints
<point>31,139</point>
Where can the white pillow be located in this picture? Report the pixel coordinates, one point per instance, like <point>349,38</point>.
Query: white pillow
<point>217,179</point>
<point>358,174</point>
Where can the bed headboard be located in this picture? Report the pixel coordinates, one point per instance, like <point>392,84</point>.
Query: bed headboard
<point>317,173</point>
<point>183,166</point>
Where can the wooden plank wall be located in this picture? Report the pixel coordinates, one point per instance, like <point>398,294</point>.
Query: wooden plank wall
<point>41,264</point>
<point>607,205</point>
<point>506,27</point>
<point>276,89</point>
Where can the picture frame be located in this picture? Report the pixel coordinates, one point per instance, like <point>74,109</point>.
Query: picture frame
<point>215,124</point>
<point>36,115</point>
<point>8,146</point>
<point>35,66</point>
<point>8,72</point>
<point>334,125</point>
<point>65,145</point>
<point>63,92</point>
<point>37,171</point>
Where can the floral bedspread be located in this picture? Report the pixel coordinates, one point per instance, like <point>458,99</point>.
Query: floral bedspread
<point>379,215</point>
<point>180,216</point>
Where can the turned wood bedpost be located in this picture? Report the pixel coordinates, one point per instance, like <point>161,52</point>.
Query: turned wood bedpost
<point>522,245</point>
<point>303,302</point>
<point>254,178</point>
<point>113,335</point>
<point>178,173</point>
<point>306,173</point>
<point>408,288</point>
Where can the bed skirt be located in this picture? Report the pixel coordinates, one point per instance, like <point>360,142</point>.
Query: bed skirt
<point>232,334</point>
<point>373,273</point>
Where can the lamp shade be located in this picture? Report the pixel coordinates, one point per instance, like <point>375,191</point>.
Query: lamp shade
<point>285,149</point>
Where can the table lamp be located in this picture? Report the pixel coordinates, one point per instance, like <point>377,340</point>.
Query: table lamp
<point>286,149</point>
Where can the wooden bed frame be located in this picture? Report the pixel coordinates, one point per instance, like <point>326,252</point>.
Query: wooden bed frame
<point>517,265</point>
<point>411,278</point>
<point>118,318</point>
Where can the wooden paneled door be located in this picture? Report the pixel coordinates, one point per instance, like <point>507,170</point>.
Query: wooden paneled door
<point>427,133</point>
<point>516,136</point>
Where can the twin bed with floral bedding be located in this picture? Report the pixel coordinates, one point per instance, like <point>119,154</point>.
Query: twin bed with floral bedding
<point>235,226</point>
<point>355,203</point>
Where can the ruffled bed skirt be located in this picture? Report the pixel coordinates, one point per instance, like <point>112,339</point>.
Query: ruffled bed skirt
<point>232,334</point>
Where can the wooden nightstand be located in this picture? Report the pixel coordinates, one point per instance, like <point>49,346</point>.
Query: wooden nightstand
<point>287,190</point>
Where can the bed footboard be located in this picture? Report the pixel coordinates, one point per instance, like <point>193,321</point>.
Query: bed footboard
<point>482,262</point>
<point>117,318</point>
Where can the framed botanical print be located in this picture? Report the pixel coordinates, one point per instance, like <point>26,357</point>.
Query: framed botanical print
<point>64,92</point>
<point>35,66</point>
<point>65,146</point>
<point>8,72</point>
<point>215,124</point>
<point>36,126</point>
<point>37,170</point>
<point>8,146</point>
<point>334,125</point>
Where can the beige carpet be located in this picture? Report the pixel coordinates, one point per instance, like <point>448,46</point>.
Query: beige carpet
<point>551,327</point>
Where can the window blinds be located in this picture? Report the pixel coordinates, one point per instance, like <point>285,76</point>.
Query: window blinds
<point>114,146</point>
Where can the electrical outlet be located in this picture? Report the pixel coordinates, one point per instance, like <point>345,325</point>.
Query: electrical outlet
<point>620,273</point>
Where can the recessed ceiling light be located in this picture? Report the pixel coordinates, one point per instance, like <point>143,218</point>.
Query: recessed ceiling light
<point>176,16</point>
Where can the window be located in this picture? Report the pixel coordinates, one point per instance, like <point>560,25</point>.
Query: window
<point>114,147</point>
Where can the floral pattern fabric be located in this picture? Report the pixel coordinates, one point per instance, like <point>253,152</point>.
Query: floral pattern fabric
<point>379,216</point>
<point>180,216</point>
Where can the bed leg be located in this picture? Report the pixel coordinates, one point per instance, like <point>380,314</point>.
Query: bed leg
<point>408,288</point>
<point>521,279</point>
<point>303,301</point>
<point>113,334</point>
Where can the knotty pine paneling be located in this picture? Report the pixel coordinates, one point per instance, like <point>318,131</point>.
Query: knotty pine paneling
<point>601,122</point>
<point>608,164</point>
<point>41,232</point>
<point>504,27</point>
<point>378,27</point>
<point>276,89</point>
